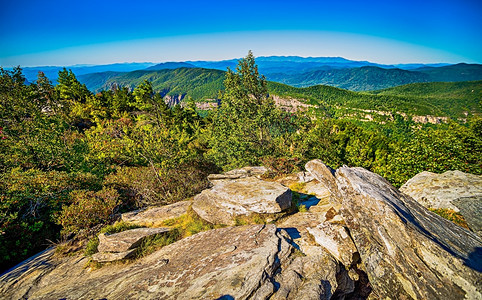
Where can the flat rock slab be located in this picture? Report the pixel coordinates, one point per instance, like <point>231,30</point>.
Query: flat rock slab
<point>408,252</point>
<point>155,216</point>
<point>228,199</point>
<point>126,240</point>
<point>234,262</point>
<point>104,257</point>
<point>439,190</point>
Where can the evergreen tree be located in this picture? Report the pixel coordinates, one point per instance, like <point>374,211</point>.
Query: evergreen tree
<point>247,121</point>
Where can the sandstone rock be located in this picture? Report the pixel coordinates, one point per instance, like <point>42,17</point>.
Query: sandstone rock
<point>408,252</point>
<point>336,240</point>
<point>234,262</point>
<point>156,215</point>
<point>305,177</point>
<point>228,199</point>
<point>439,190</point>
<point>126,240</point>
<point>104,257</point>
<point>311,277</point>
<point>237,174</point>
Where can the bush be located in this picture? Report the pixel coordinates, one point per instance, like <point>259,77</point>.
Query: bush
<point>145,186</point>
<point>28,199</point>
<point>278,166</point>
<point>88,209</point>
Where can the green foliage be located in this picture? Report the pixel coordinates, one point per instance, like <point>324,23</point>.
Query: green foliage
<point>247,124</point>
<point>87,209</point>
<point>189,224</point>
<point>28,200</point>
<point>156,242</point>
<point>145,186</point>
<point>443,95</point>
<point>302,208</point>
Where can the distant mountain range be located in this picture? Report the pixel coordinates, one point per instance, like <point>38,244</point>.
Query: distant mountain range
<point>291,70</point>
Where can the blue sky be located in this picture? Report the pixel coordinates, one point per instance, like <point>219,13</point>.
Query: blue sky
<point>36,33</point>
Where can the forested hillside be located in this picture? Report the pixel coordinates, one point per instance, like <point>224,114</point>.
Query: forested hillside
<point>194,82</point>
<point>71,159</point>
<point>435,99</point>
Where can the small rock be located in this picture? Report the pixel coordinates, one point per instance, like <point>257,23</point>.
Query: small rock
<point>103,257</point>
<point>126,240</point>
<point>156,215</point>
<point>305,177</point>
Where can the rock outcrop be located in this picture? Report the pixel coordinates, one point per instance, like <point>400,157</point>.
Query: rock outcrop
<point>359,235</point>
<point>155,216</point>
<point>245,262</point>
<point>453,190</point>
<point>440,190</point>
<point>471,209</point>
<point>407,251</point>
<point>241,197</point>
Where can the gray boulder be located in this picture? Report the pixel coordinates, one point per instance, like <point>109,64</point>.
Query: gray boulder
<point>471,209</point>
<point>241,197</point>
<point>407,251</point>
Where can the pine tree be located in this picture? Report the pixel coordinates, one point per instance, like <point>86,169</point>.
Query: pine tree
<point>247,120</point>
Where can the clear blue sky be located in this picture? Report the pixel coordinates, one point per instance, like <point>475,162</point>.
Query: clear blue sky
<point>36,33</point>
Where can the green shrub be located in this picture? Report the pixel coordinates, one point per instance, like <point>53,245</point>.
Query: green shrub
<point>28,200</point>
<point>88,209</point>
<point>156,242</point>
<point>189,224</point>
<point>147,186</point>
<point>278,166</point>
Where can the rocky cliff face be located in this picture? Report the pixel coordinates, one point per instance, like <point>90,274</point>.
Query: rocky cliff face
<point>357,238</point>
<point>406,250</point>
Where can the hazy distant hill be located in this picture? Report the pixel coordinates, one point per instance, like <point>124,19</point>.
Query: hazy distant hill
<point>298,71</point>
<point>170,66</point>
<point>355,79</point>
<point>52,71</point>
<point>374,78</point>
<point>458,72</point>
